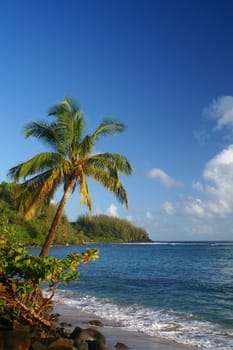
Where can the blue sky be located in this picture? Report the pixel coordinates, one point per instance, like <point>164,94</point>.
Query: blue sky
<point>162,67</point>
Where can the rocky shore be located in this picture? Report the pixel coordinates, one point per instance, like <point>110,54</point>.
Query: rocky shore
<point>60,338</point>
<point>75,330</point>
<point>115,337</point>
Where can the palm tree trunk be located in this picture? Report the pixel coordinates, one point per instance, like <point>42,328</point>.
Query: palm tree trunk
<point>56,220</point>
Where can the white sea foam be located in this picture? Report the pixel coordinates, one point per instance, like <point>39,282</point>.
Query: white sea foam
<point>182,328</point>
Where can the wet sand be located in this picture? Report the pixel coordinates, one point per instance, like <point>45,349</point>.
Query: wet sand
<point>114,334</point>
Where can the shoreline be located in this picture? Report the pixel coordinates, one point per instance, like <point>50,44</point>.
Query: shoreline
<point>113,333</point>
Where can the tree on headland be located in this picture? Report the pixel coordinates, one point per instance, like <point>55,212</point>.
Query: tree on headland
<point>69,163</point>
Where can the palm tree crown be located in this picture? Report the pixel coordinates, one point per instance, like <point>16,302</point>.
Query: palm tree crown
<point>69,163</point>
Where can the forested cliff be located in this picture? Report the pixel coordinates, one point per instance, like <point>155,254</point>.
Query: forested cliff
<point>104,228</point>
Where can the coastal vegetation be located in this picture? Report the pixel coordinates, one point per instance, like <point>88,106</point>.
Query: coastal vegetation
<point>32,232</point>
<point>96,228</point>
<point>103,228</point>
<point>21,275</point>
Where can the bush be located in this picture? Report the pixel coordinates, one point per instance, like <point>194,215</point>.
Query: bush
<point>21,275</point>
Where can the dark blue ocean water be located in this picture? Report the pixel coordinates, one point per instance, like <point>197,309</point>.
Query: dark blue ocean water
<point>179,291</point>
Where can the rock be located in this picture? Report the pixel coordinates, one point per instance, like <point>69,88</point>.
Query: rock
<point>83,346</point>
<point>121,346</point>
<point>38,346</point>
<point>96,323</point>
<point>61,344</point>
<point>22,328</point>
<point>15,340</point>
<point>92,337</point>
<point>5,322</point>
<point>65,324</point>
<point>95,345</point>
<point>54,317</point>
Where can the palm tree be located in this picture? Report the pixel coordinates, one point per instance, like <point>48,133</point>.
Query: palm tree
<point>69,163</point>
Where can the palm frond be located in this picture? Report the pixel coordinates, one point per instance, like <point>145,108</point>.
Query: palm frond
<point>68,105</point>
<point>86,146</point>
<point>46,132</point>
<point>107,160</point>
<point>121,195</point>
<point>109,126</point>
<point>84,193</point>
<point>77,131</point>
<point>37,164</point>
<point>36,192</point>
<point>70,125</point>
<point>109,179</point>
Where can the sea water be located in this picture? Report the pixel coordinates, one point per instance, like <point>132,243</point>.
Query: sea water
<point>178,291</point>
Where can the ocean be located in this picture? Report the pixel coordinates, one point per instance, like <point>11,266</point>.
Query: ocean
<point>181,291</point>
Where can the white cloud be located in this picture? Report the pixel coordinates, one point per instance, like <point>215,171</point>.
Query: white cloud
<point>164,178</point>
<point>201,229</point>
<point>149,221</point>
<point>197,186</point>
<point>149,216</point>
<point>129,218</point>
<point>201,136</point>
<point>221,110</point>
<point>219,173</point>
<point>194,207</point>
<point>168,208</point>
<point>112,210</point>
<point>217,190</point>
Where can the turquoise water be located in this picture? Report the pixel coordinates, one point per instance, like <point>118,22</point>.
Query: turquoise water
<point>179,291</point>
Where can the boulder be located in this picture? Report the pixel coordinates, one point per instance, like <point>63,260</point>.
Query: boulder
<point>61,344</point>
<point>121,346</point>
<point>5,322</point>
<point>93,338</point>
<point>15,340</point>
<point>38,346</point>
<point>96,323</point>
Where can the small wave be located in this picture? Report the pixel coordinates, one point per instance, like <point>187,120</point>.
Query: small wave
<point>221,243</point>
<point>181,328</point>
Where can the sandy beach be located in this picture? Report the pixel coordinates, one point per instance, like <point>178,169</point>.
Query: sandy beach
<point>114,334</point>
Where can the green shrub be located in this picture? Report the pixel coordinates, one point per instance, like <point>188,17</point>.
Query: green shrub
<point>21,275</point>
